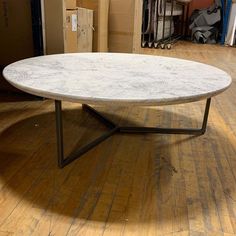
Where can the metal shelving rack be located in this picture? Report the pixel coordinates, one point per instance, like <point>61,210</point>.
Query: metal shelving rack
<point>151,24</point>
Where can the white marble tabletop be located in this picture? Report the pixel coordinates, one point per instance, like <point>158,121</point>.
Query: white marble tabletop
<point>117,79</point>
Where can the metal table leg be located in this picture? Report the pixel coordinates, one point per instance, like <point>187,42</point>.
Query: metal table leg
<point>114,128</point>
<point>62,161</point>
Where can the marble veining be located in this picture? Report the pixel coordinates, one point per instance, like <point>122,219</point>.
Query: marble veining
<point>118,79</point>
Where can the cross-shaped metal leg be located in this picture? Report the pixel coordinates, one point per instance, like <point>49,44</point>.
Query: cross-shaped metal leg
<point>114,128</point>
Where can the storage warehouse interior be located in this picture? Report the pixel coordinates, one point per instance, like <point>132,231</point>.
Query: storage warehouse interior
<point>118,117</point>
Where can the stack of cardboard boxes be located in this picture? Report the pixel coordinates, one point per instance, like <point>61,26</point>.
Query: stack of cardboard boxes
<point>68,28</point>
<point>61,33</point>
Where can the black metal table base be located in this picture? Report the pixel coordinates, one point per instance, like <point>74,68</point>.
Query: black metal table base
<point>112,129</point>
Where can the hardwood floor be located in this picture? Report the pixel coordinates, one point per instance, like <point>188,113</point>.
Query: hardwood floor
<point>131,184</point>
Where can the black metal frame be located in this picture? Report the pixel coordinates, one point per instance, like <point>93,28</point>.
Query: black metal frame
<point>37,28</point>
<point>115,128</point>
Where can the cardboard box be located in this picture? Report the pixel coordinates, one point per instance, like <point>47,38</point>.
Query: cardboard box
<point>121,25</point>
<point>70,4</point>
<point>71,31</point>
<point>55,17</point>
<point>85,30</point>
<point>101,10</point>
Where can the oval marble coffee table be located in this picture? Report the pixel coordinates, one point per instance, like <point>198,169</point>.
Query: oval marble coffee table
<point>116,79</point>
